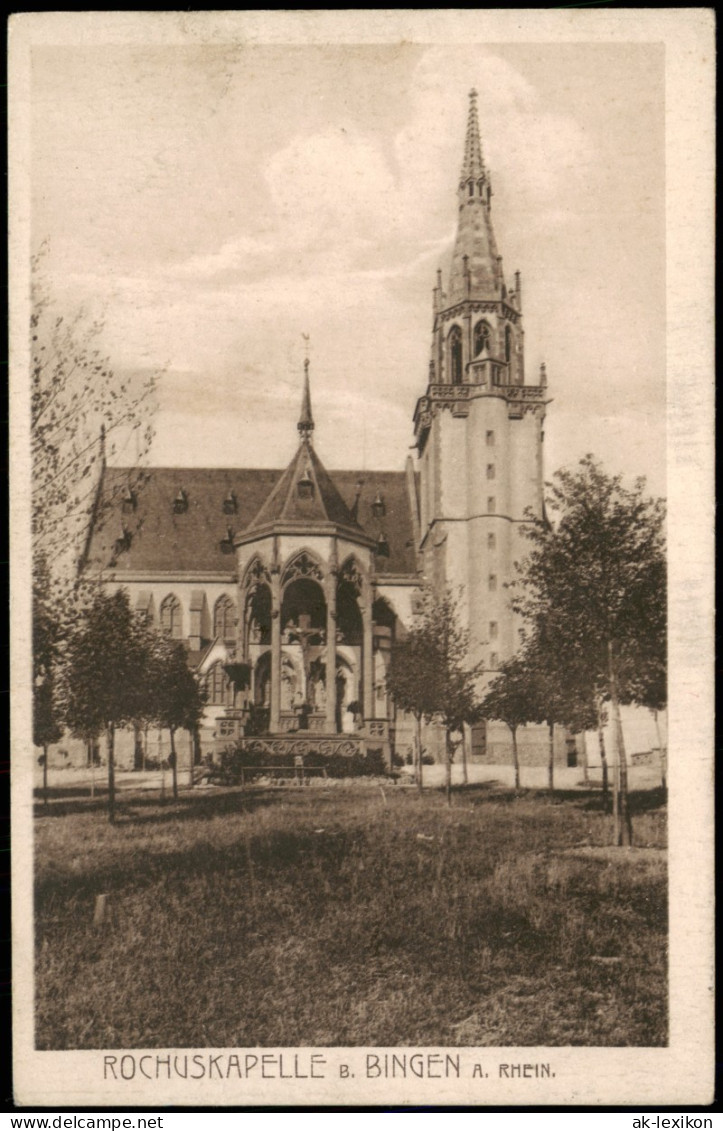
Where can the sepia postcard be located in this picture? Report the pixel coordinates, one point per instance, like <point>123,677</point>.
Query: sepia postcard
<point>361,527</point>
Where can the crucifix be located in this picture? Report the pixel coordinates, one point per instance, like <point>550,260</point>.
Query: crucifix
<point>303,633</point>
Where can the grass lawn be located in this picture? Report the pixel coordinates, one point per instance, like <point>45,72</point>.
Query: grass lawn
<point>351,916</point>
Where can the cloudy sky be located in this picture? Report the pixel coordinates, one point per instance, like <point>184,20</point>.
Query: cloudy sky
<point>213,202</point>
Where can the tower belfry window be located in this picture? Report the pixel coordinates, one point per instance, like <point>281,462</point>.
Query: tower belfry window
<point>481,337</point>
<point>455,355</point>
<point>508,344</point>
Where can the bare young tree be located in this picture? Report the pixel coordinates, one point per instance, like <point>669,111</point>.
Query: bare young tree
<point>80,410</point>
<point>431,675</point>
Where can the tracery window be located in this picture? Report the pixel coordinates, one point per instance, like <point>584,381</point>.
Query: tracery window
<point>224,618</point>
<point>172,616</point>
<point>219,692</point>
<point>455,355</point>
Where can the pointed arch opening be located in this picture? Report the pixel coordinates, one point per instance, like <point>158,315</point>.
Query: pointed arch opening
<point>172,617</point>
<point>508,345</point>
<point>224,618</point>
<point>482,337</point>
<point>302,566</point>
<point>348,603</point>
<point>454,346</point>
<point>255,573</point>
<point>303,635</point>
<point>348,615</point>
<point>258,615</point>
<point>218,686</point>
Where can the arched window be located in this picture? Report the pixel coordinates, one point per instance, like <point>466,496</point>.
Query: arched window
<point>482,335</point>
<point>219,692</point>
<point>172,617</point>
<point>508,344</point>
<point>224,617</point>
<point>455,355</point>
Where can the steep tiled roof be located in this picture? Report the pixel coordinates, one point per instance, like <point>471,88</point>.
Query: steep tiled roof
<point>195,541</point>
<point>285,504</point>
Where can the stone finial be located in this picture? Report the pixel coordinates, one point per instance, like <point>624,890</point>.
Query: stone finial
<point>473,163</point>
<point>306,420</point>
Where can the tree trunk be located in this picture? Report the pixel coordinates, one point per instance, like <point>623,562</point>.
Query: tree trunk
<point>623,825</point>
<point>662,753</point>
<point>449,754</point>
<point>110,742</point>
<point>45,774</point>
<point>174,767</point>
<point>551,759</point>
<point>137,749</point>
<point>515,757</point>
<point>419,755</point>
<point>585,766</point>
<point>603,758</point>
<point>465,778</point>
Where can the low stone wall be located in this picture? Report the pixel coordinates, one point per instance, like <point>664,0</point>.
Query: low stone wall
<point>325,745</point>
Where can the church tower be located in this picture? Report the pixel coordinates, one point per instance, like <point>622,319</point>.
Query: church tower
<point>479,426</point>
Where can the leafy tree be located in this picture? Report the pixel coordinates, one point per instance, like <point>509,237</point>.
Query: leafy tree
<point>410,666</point>
<point>594,582</point>
<point>79,410</point>
<point>106,674</point>
<point>174,697</point>
<point>439,685</point>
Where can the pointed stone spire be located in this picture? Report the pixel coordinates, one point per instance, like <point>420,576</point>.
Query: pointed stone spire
<point>476,271</point>
<point>306,420</point>
<point>473,163</point>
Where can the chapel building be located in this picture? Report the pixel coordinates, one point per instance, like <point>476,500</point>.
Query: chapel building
<point>289,587</point>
